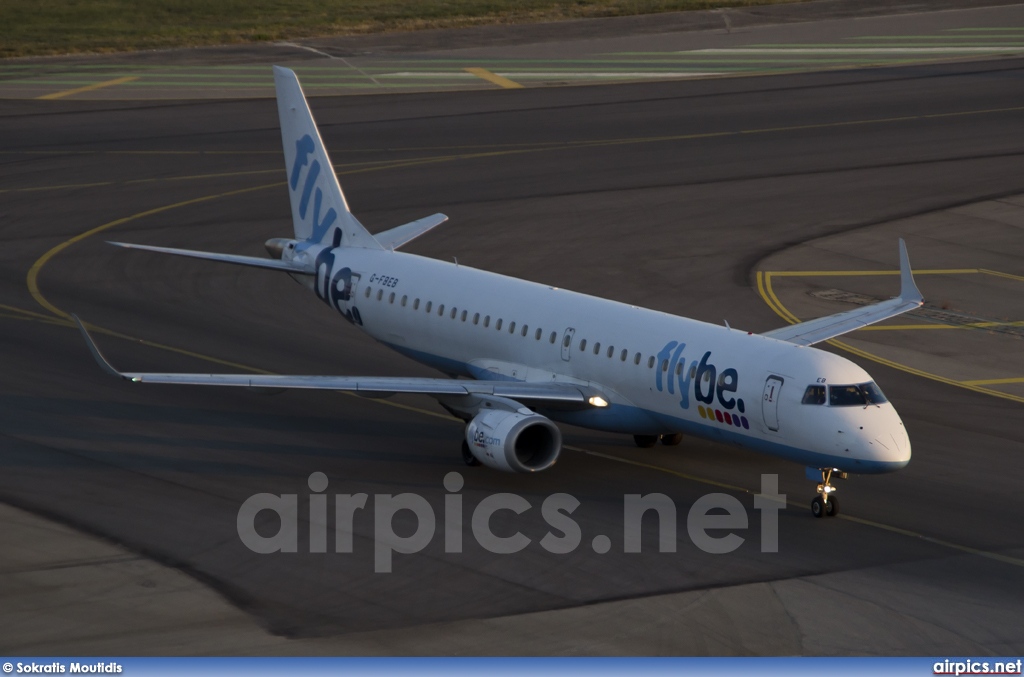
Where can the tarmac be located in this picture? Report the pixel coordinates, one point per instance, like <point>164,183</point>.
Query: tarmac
<point>757,199</point>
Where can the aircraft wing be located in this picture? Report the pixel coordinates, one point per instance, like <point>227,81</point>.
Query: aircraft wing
<point>252,261</point>
<point>396,237</point>
<point>824,328</point>
<point>562,394</point>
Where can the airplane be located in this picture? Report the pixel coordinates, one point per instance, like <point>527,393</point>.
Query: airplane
<point>519,356</point>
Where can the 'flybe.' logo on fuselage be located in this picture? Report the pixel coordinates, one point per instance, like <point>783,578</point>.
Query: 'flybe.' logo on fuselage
<point>304,148</point>
<point>703,380</point>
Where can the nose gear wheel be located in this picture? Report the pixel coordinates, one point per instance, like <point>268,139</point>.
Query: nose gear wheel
<point>825,504</point>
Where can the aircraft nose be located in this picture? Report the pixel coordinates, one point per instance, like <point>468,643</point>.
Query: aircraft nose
<point>896,444</point>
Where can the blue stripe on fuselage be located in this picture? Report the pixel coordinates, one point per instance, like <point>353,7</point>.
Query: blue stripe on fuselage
<point>631,420</point>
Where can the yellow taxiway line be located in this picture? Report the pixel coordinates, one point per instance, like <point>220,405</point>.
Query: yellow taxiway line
<point>89,88</point>
<point>494,78</point>
<point>994,381</point>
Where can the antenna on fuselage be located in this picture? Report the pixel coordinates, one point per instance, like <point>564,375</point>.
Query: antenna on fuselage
<point>727,324</point>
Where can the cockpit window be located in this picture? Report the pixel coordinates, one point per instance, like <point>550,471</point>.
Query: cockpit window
<point>814,395</point>
<point>859,395</point>
<point>845,396</point>
<point>873,393</point>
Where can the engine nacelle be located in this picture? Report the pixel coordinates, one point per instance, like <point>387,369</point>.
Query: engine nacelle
<point>514,442</point>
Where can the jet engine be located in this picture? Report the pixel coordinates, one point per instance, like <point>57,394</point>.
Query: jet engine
<point>513,441</point>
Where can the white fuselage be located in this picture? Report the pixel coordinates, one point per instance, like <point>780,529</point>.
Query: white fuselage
<point>660,373</point>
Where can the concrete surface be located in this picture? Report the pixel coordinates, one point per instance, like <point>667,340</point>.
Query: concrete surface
<point>671,195</point>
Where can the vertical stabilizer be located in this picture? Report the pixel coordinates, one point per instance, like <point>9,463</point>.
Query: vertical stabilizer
<point>319,209</point>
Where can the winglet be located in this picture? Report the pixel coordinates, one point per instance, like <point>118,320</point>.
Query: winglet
<point>824,328</point>
<point>908,288</point>
<point>94,349</point>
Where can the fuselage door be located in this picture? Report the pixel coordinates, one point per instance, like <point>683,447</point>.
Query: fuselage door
<point>567,343</point>
<point>349,290</point>
<point>770,402</point>
<point>352,296</point>
<point>342,294</point>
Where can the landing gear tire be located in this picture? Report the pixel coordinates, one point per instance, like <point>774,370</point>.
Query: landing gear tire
<point>818,506</point>
<point>825,503</point>
<point>672,440</point>
<point>467,456</point>
<point>645,441</point>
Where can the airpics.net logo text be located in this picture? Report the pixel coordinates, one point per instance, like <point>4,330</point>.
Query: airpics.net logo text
<point>712,521</point>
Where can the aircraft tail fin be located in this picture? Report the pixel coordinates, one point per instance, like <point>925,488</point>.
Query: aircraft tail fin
<point>320,212</point>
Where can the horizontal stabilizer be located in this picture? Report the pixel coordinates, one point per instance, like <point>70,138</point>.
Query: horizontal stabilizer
<point>252,261</point>
<point>561,394</point>
<point>396,237</point>
<point>824,328</point>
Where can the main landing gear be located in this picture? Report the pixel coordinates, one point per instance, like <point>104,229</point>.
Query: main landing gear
<point>648,441</point>
<point>467,456</point>
<point>825,504</point>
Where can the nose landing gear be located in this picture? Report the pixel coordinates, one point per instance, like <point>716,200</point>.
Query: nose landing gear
<point>825,504</point>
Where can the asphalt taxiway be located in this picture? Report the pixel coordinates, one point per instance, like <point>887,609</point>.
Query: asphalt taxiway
<point>680,195</point>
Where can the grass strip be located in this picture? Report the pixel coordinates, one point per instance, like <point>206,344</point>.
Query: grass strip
<point>43,27</point>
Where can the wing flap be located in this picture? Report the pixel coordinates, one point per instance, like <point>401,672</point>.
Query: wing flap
<point>824,328</point>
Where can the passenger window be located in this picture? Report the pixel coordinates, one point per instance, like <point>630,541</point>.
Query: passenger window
<point>554,335</point>
<point>497,325</point>
<point>814,395</point>
<point>664,365</point>
<point>487,321</point>
<point>440,310</point>
<point>454,310</point>
<point>679,368</point>
<point>597,347</point>
<point>636,359</point>
<point>380,294</point>
<point>391,299</point>
<point>465,314</point>
<point>583,345</point>
<point>404,299</point>
<point>525,329</point>
<point>611,351</point>
<point>511,327</point>
<point>416,304</point>
<point>367,294</point>
<point>430,304</point>
<point>693,372</point>
<point>476,318</point>
<point>650,362</point>
<point>539,332</point>
<point>624,353</point>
